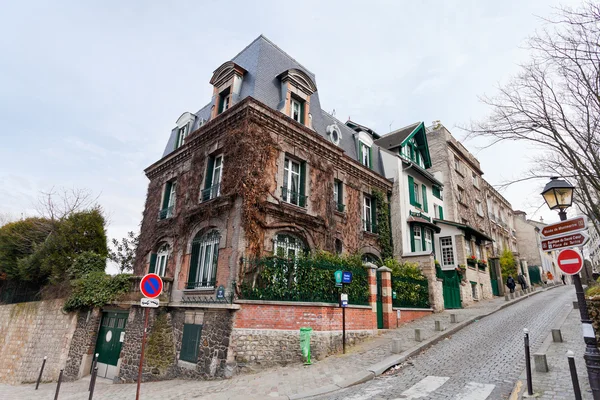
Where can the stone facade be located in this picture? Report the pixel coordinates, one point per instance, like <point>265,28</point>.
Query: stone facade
<point>436,291</point>
<point>28,333</point>
<point>81,351</point>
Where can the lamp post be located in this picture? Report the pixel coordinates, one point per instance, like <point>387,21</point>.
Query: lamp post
<point>558,194</point>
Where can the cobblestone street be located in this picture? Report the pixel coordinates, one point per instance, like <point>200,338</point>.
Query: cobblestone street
<point>488,351</point>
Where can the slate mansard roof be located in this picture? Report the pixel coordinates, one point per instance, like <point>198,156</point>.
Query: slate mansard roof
<point>264,62</point>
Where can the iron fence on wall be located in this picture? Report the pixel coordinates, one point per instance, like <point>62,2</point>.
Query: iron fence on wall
<point>11,293</point>
<point>410,292</point>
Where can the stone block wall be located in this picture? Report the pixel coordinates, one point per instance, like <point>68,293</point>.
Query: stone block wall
<point>436,291</point>
<point>83,344</point>
<point>30,331</point>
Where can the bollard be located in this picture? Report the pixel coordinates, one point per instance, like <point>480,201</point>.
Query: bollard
<point>575,305</point>
<point>396,346</point>
<point>528,362</point>
<point>574,378</point>
<point>94,365</point>
<point>58,384</point>
<point>506,297</point>
<point>438,326</point>
<point>453,318</point>
<point>541,363</point>
<point>418,335</point>
<point>93,382</point>
<point>41,372</point>
<point>556,336</point>
<point>512,295</point>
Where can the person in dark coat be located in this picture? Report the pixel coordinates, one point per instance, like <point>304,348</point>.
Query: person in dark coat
<point>510,282</point>
<point>522,281</point>
<point>563,277</point>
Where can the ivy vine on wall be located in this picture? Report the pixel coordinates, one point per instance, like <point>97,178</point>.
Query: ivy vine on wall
<point>383,225</point>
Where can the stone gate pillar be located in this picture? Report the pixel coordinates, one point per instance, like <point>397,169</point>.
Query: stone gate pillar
<point>386,296</point>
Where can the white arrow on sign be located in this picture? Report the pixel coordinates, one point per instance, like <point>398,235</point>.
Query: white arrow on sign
<point>152,303</point>
<point>565,241</point>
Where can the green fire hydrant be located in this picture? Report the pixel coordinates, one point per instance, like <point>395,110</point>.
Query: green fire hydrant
<point>305,343</point>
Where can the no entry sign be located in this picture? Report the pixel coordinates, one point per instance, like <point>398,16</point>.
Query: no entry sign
<point>151,285</point>
<point>570,261</point>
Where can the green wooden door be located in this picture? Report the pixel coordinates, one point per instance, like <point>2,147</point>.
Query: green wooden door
<point>108,344</point>
<point>534,274</point>
<point>379,302</point>
<point>494,279</point>
<point>451,289</point>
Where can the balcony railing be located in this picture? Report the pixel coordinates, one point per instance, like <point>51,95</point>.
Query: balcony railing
<point>294,198</point>
<point>165,213</point>
<point>211,192</point>
<point>340,207</point>
<point>369,226</point>
<point>205,284</point>
<point>419,215</point>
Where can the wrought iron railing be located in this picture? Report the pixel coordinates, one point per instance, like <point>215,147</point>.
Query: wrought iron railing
<point>165,213</point>
<point>419,215</point>
<point>211,192</point>
<point>369,226</point>
<point>204,284</point>
<point>18,293</point>
<point>294,198</point>
<point>410,292</point>
<point>134,285</point>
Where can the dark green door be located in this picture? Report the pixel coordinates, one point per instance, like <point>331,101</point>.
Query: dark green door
<point>108,344</point>
<point>379,302</point>
<point>534,274</point>
<point>451,289</point>
<point>494,279</point>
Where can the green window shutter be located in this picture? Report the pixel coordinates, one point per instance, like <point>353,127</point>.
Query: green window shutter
<point>190,343</point>
<point>176,139</point>
<point>425,206</point>
<point>168,187</point>
<point>412,239</point>
<point>411,190</point>
<point>152,263</point>
<point>373,215</point>
<point>441,212</point>
<point>194,264</point>
<point>436,192</point>
<point>210,167</point>
<point>302,112</point>
<point>371,157</point>
<point>360,152</point>
<point>422,239</point>
<point>302,184</point>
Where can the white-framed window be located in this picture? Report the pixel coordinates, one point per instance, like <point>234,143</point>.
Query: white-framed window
<point>168,205</point>
<point>457,165</point>
<point>428,240</point>
<point>288,246</point>
<point>417,240</point>
<point>162,257</point>
<point>365,154</point>
<point>224,100</point>
<point>478,251</point>
<point>479,208</point>
<point>475,180</point>
<point>291,182</point>
<point>217,173</point>
<point>447,251</point>
<point>214,175</point>
<point>468,248</point>
<point>203,262</point>
<point>181,134</point>
<point>367,214</point>
<point>296,110</point>
<point>417,192</point>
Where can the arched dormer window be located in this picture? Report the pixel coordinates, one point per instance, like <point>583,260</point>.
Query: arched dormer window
<point>184,125</point>
<point>296,88</point>
<point>227,83</point>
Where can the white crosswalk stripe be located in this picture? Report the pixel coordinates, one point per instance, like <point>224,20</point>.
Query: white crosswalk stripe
<point>424,387</point>
<point>475,391</point>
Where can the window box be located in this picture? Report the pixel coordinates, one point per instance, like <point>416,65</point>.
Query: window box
<point>165,213</point>
<point>482,264</point>
<point>471,261</point>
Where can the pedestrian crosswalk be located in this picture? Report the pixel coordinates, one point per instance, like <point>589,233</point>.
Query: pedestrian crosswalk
<point>432,385</point>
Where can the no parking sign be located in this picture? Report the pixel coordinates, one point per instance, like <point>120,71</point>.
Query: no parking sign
<point>151,286</point>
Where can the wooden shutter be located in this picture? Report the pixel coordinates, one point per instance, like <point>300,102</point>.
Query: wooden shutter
<point>370,158</point>
<point>302,199</point>
<point>168,187</point>
<point>425,206</point>
<point>152,267</point>
<point>194,264</point>
<point>177,139</point>
<point>190,343</point>
<point>374,214</point>
<point>360,152</point>
<point>411,190</point>
<point>210,167</point>
<point>441,212</point>
<point>412,239</point>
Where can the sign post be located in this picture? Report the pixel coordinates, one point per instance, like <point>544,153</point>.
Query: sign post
<point>342,278</point>
<point>565,241</point>
<point>567,226</point>
<point>151,287</point>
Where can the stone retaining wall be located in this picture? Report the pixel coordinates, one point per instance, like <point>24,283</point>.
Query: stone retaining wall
<point>408,314</point>
<point>30,331</point>
<point>83,344</point>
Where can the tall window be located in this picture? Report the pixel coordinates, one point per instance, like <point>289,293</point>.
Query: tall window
<point>168,205</point>
<point>288,246</point>
<point>297,110</point>
<point>214,172</point>
<point>224,100</point>
<point>203,264</point>
<point>460,194</point>
<point>417,239</point>
<point>478,251</point>
<point>428,240</point>
<point>475,180</point>
<point>338,195</point>
<point>161,260</point>
<point>293,183</point>
<point>369,215</point>
<point>365,155</point>
<point>479,208</point>
<point>457,165</point>
<point>417,193</point>
<point>468,248</point>
<point>447,251</point>
<point>181,134</point>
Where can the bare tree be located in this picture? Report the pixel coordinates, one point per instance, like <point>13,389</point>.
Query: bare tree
<point>123,252</point>
<point>554,104</point>
<point>59,203</point>
<point>6,218</point>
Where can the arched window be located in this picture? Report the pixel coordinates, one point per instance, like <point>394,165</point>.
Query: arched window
<point>203,263</point>
<point>338,246</point>
<point>158,260</point>
<point>288,246</point>
<point>371,258</point>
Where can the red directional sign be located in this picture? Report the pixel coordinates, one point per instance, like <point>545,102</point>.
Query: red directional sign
<point>570,261</point>
<point>151,285</point>
<point>569,226</point>
<point>563,242</point>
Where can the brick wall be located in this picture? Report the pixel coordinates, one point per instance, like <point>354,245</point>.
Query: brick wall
<point>30,331</point>
<point>408,314</point>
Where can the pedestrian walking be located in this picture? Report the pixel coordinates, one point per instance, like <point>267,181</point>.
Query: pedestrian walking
<point>522,281</point>
<point>563,277</point>
<point>545,277</point>
<point>510,282</point>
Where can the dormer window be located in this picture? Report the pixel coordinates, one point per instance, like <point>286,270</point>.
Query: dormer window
<point>181,134</point>
<point>224,100</point>
<point>365,155</point>
<point>297,110</point>
<point>184,124</point>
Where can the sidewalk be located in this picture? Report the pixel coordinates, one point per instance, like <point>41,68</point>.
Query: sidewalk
<point>361,363</point>
<point>556,384</point>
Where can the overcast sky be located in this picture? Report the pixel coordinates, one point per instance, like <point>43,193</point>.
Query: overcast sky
<point>89,91</point>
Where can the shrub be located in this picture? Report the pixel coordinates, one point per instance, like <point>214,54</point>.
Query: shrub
<point>95,289</point>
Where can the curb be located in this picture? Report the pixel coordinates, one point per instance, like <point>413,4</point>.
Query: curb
<point>379,368</point>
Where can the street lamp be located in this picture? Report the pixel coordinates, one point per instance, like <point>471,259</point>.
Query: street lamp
<point>558,194</point>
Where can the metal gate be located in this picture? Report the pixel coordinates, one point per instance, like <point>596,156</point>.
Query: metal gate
<point>108,344</point>
<point>451,288</point>
<point>379,302</point>
<point>494,278</point>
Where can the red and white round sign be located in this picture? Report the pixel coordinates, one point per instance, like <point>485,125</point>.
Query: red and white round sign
<point>570,261</point>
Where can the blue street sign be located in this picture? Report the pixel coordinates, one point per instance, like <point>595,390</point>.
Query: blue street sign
<point>344,303</point>
<point>347,277</point>
<point>220,292</point>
